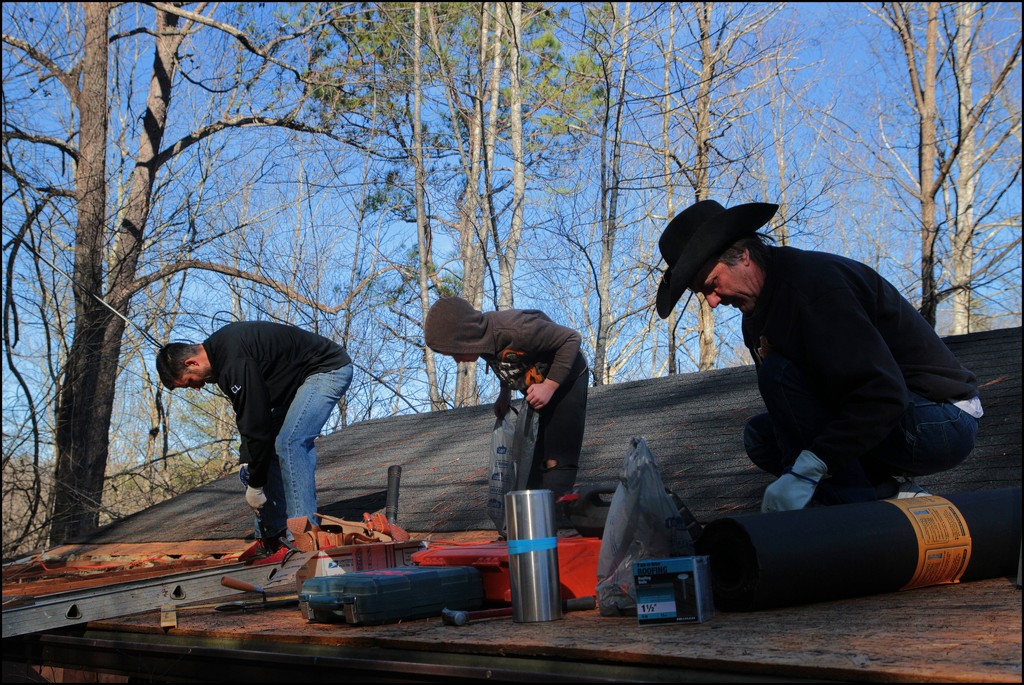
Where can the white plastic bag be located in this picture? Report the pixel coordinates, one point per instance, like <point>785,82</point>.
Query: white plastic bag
<point>643,523</point>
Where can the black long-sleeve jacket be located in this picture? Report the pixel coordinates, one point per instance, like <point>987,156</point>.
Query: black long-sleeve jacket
<point>260,365</point>
<point>860,342</point>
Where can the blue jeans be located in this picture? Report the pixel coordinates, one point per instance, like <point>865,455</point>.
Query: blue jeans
<point>291,478</point>
<point>930,437</point>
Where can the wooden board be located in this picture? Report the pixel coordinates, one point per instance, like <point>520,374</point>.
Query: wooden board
<point>969,632</point>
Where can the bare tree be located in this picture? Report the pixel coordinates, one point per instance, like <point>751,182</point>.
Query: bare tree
<point>667,157</point>
<point>978,144</point>
<point>423,235</point>
<point>109,245</point>
<point>466,113</point>
<point>946,138</point>
<point>724,52</point>
<point>614,71</point>
<point>509,248</point>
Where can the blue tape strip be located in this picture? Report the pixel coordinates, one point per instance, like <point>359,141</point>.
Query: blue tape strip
<point>536,545</point>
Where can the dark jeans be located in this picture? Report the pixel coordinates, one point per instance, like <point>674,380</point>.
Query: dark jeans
<point>930,437</point>
<point>560,434</point>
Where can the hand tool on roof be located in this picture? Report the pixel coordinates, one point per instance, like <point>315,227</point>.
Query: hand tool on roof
<point>461,618</point>
<point>242,586</point>
<point>249,605</point>
<point>246,606</point>
<point>236,605</point>
<point>394,478</point>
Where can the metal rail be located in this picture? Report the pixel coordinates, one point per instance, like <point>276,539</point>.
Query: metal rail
<point>62,609</point>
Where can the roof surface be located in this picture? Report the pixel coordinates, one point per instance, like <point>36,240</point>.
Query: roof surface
<point>962,632</point>
<point>692,423</point>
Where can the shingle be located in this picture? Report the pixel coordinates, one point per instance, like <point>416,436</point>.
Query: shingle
<point>692,424</point>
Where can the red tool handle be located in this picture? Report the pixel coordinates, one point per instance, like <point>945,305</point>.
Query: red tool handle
<point>236,584</point>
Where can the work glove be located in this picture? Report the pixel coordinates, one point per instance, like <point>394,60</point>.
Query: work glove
<point>795,487</point>
<point>255,497</point>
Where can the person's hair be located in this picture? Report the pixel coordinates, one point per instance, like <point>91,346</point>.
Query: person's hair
<point>170,361</point>
<point>756,245</point>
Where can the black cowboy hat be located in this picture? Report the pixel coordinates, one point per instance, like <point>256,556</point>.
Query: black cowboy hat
<point>699,233</point>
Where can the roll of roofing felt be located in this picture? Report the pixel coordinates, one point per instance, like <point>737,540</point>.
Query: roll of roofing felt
<point>779,559</point>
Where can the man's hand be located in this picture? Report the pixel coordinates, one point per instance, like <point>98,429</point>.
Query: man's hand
<point>255,497</point>
<point>539,394</point>
<point>795,487</point>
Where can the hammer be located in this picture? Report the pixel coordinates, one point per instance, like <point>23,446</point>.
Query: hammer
<point>241,585</point>
<point>451,617</point>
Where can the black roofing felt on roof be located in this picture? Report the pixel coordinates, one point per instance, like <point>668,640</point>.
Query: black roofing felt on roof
<point>692,423</point>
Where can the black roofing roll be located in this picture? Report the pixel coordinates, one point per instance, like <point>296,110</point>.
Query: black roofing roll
<point>760,561</point>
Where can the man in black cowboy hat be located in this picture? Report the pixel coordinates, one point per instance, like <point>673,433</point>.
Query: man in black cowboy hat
<point>862,395</point>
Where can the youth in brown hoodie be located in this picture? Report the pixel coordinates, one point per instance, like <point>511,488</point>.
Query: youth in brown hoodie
<point>455,328</point>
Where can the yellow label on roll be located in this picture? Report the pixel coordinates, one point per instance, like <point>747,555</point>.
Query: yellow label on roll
<point>943,540</point>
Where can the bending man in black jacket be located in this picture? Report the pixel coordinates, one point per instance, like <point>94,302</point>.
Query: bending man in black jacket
<point>284,383</point>
<point>861,393</point>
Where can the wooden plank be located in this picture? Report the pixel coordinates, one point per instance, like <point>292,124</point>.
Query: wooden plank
<point>144,550</point>
<point>969,632</point>
<point>70,578</point>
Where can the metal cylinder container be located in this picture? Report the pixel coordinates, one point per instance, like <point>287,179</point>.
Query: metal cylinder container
<point>533,556</point>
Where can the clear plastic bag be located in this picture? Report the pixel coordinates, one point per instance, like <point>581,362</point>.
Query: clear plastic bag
<point>502,470</point>
<point>643,523</point>
<point>513,439</point>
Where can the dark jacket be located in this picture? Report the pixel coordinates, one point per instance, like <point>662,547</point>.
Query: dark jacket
<point>454,326</point>
<point>260,365</point>
<point>858,341</point>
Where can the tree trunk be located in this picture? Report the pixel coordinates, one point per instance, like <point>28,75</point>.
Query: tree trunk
<point>702,165</point>
<point>472,235</point>
<point>670,198</point>
<point>922,85</point>
<point>490,87</point>
<point>926,170</point>
<point>88,387</point>
<point>962,256</point>
<point>423,236</point>
<point>511,247</point>
<point>610,175</point>
<point>82,417</point>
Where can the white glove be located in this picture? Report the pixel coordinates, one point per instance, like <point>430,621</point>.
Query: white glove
<point>795,487</point>
<point>255,497</point>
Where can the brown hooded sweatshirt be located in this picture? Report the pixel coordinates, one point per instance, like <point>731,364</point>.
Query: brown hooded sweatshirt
<point>454,326</point>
